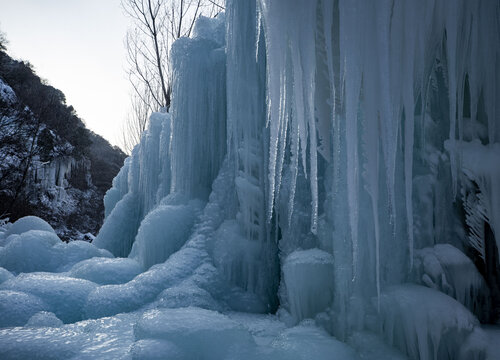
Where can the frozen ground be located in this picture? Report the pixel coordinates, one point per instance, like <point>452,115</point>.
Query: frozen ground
<point>45,315</point>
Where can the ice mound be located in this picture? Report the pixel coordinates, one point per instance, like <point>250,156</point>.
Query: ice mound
<point>16,307</point>
<point>424,323</point>
<point>38,250</point>
<point>28,223</point>
<point>44,319</point>
<point>199,333</point>
<point>163,231</point>
<point>30,251</point>
<point>113,299</point>
<point>106,271</point>
<point>5,275</point>
<point>308,280</point>
<point>68,254</point>
<point>64,296</point>
<point>445,268</point>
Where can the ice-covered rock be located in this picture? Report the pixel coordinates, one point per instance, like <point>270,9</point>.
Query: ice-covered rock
<point>308,279</point>
<point>28,223</point>
<point>445,268</point>
<point>424,323</point>
<point>44,319</point>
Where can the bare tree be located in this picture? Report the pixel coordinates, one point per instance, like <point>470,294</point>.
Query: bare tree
<point>157,24</point>
<point>136,121</point>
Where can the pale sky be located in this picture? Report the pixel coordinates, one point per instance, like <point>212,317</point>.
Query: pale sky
<point>77,45</point>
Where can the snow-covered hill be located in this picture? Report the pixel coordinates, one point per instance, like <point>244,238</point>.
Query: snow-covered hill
<point>49,161</point>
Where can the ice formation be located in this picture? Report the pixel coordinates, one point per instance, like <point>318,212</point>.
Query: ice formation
<point>318,158</point>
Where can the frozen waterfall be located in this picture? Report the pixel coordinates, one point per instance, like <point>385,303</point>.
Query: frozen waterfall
<point>333,162</point>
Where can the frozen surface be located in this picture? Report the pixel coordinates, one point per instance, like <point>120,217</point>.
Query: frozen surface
<point>105,271</point>
<point>214,334</point>
<point>307,341</point>
<point>156,349</point>
<point>107,338</point>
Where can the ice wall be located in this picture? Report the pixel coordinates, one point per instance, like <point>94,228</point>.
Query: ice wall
<point>385,92</point>
<point>355,134</point>
<point>251,234</point>
<point>180,152</point>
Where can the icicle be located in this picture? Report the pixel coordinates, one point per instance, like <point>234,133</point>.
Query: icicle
<point>352,80</point>
<point>290,60</point>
